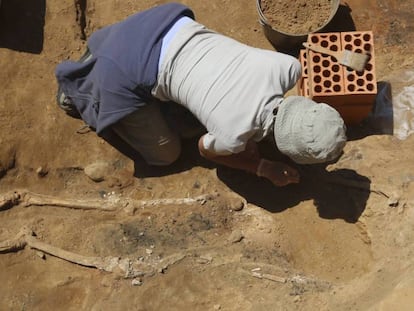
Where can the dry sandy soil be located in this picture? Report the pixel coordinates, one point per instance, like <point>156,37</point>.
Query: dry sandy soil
<point>340,240</point>
<point>297,17</point>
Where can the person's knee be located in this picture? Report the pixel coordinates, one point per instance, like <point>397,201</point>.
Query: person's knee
<point>168,159</point>
<point>167,155</point>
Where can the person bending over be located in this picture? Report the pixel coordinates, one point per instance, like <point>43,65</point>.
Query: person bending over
<point>237,92</point>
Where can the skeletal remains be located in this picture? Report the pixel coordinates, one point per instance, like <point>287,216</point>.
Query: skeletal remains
<point>124,267</point>
<point>128,268</point>
<point>112,203</point>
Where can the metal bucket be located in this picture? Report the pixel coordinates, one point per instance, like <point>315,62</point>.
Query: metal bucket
<point>285,42</point>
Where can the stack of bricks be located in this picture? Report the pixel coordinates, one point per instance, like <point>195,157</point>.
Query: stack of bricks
<point>324,79</point>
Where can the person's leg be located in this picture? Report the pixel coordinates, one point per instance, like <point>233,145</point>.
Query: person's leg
<point>181,120</point>
<point>148,133</point>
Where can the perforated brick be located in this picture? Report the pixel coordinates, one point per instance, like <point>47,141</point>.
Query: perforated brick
<point>360,82</point>
<point>302,84</point>
<point>305,87</point>
<point>304,62</point>
<point>325,80</point>
<point>326,76</point>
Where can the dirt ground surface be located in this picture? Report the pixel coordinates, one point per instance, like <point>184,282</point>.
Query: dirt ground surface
<point>297,17</point>
<point>340,240</point>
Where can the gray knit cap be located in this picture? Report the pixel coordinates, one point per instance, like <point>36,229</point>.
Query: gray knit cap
<point>309,132</point>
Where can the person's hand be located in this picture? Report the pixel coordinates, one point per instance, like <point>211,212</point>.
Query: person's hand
<point>278,173</point>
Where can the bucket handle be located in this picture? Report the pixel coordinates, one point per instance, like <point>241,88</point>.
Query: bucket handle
<point>263,21</point>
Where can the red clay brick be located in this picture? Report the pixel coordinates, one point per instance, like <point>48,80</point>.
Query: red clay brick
<point>325,73</point>
<point>304,63</point>
<point>303,87</point>
<point>360,82</point>
<point>325,80</point>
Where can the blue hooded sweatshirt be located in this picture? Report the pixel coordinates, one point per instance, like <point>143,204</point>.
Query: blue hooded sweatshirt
<point>118,79</point>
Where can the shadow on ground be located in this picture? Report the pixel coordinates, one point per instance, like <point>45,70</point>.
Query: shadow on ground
<point>21,25</point>
<point>340,194</point>
<point>337,194</point>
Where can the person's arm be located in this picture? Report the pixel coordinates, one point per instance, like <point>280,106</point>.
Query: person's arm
<point>247,160</point>
<point>250,161</point>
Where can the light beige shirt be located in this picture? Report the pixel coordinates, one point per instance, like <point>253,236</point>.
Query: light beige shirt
<point>230,87</point>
